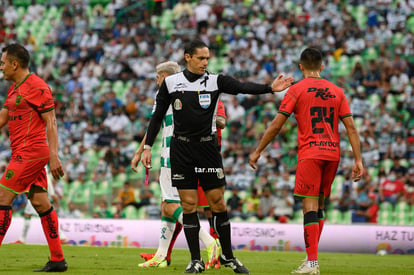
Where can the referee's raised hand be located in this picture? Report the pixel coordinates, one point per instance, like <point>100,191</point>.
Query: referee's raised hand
<point>280,83</point>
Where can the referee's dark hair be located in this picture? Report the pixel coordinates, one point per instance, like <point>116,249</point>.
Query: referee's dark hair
<point>311,59</point>
<point>193,45</point>
<point>16,52</point>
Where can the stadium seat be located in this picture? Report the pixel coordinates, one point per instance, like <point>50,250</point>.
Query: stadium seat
<point>130,212</point>
<point>252,219</point>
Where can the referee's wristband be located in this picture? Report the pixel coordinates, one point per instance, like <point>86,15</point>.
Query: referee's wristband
<point>147,147</point>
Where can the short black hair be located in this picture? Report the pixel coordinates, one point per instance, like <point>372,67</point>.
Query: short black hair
<point>16,52</point>
<point>193,45</point>
<point>311,59</point>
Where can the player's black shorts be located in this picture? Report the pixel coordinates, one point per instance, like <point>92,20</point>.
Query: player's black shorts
<point>196,159</point>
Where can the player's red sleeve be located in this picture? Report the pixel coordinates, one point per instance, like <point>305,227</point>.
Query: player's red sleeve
<point>41,99</point>
<point>6,102</point>
<point>344,109</point>
<point>221,110</point>
<point>289,101</point>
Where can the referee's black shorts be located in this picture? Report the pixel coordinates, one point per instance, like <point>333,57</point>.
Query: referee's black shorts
<point>196,160</point>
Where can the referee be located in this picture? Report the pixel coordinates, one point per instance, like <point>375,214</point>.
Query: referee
<point>193,94</point>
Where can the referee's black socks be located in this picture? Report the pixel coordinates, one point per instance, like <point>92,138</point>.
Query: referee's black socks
<point>191,225</point>
<point>221,224</point>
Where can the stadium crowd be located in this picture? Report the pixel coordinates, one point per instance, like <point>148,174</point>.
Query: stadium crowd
<point>99,58</point>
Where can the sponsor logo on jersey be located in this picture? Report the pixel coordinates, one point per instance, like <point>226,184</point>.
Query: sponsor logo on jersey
<point>13,118</point>
<point>324,144</point>
<point>179,86</point>
<point>323,93</point>
<point>177,105</point>
<point>9,174</point>
<point>204,100</point>
<point>18,99</point>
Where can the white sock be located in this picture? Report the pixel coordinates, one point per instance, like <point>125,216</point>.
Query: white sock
<point>204,236</point>
<point>167,230</point>
<point>26,226</point>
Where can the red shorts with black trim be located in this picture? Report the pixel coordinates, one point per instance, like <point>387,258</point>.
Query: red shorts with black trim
<point>202,200</point>
<point>24,171</point>
<point>315,176</point>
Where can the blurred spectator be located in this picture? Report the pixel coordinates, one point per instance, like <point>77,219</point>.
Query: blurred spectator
<point>286,181</point>
<point>266,203</point>
<point>153,209</point>
<point>234,204</point>
<point>75,169</point>
<point>126,195</point>
<point>252,204</point>
<point>347,199</point>
<point>398,148</point>
<point>368,214</point>
<point>392,189</point>
<point>400,170</point>
<point>102,211</point>
<point>119,213</point>
<point>71,213</point>
<point>283,205</point>
<point>235,111</point>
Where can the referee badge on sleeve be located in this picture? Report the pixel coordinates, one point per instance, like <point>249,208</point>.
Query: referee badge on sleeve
<point>205,100</point>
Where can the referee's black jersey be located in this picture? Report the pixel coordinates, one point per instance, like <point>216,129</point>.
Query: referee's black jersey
<point>194,102</point>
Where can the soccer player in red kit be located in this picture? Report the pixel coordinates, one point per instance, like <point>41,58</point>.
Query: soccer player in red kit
<point>30,115</point>
<point>318,106</point>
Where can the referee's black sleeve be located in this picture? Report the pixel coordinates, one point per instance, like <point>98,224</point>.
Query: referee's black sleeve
<point>230,85</point>
<point>162,104</point>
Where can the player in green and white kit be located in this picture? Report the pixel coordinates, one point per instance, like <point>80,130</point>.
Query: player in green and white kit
<point>171,210</point>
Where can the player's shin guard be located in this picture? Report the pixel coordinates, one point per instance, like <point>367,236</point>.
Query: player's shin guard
<point>191,225</point>
<point>311,234</point>
<point>5,220</point>
<point>321,219</point>
<point>221,224</point>
<point>50,226</point>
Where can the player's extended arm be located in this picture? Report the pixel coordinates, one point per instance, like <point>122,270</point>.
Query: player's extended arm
<point>353,136</point>
<point>268,136</point>
<point>4,117</point>
<point>52,138</point>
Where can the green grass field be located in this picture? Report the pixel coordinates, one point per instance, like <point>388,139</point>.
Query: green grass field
<point>22,259</point>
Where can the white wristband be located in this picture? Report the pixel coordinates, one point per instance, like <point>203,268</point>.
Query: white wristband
<point>147,147</point>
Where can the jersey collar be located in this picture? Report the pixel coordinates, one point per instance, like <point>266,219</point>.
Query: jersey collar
<point>17,86</point>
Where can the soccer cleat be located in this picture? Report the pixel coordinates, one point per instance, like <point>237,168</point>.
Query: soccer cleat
<point>305,269</point>
<point>195,266</point>
<point>213,253</point>
<point>148,257</point>
<point>234,264</point>
<point>51,266</point>
<point>154,262</point>
<point>302,265</point>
